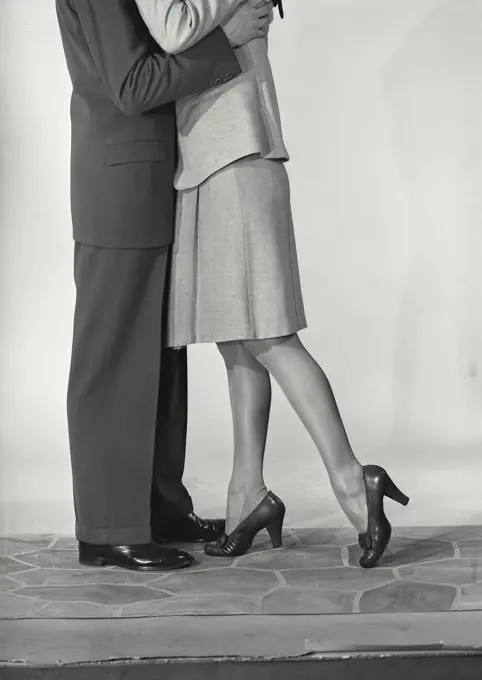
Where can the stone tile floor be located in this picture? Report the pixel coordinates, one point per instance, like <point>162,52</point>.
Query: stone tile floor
<point>426,569</point>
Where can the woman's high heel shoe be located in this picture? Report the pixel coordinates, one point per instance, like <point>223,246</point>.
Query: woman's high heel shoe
<point>269,515</point>
<point>374,542</point>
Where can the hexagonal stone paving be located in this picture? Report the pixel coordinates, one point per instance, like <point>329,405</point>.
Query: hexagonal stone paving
<point>78,610</point>
<point>194,605</point>
<point>60,559</point>
<point>289,600</point>
<point>299,558</point>
<point>97,593</point>
<point>12,606</point>
<point>341,578</point>
<point>453,572</point>
<point>7,584</point>
<point>65,543</point>
<point>470,597</point>
<point>76,577</point>
<point>10,566</point>
<point>219,582</point>
<point>447,534</point>
<point>23,544</point>
<point>470,547</point>
<point>424,569</point>
<point>407,597</point>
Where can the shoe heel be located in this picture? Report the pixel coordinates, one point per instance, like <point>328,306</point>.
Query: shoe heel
<point>95,562</point>
<point>392,491</point>
<point>275,531</point>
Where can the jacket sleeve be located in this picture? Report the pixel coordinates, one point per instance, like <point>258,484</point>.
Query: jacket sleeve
<point>140,77</point>
<point>177,25</point>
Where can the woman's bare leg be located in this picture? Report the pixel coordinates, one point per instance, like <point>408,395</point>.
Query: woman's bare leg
<point>308,391</point>
<point>250,395</point>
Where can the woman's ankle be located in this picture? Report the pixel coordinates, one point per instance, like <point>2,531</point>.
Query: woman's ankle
<point>348,481</point>
<point>241,502</point>
<point>247,489</point>
<point>350,491</point>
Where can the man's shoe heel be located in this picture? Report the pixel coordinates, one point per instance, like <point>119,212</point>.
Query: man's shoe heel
<point>392,491</point>
<point>275,531</point>
<point>94,562</point>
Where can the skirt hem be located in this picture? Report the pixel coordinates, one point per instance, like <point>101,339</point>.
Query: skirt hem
<point>241,338</point>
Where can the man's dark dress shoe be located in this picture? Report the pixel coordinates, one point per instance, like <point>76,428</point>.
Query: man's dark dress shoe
<point>189,529</point>
<point>142,557</point>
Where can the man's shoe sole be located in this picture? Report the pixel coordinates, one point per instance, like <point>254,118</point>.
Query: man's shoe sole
<point>101,562</point>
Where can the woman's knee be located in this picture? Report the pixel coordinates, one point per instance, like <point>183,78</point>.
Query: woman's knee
<point>268,345</point>
<point>229,348</point>
<point>234,353</point>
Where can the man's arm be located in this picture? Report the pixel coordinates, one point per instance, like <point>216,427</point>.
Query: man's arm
<point>177,25</point>
<point>137,79</point>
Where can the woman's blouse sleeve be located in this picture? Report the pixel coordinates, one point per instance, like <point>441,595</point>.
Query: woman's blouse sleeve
<point>177,25</point>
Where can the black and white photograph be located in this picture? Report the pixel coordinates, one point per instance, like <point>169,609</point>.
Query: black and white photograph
<point>240,339</point>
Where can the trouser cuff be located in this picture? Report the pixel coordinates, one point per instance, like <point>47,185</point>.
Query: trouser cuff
<point>113,536</point>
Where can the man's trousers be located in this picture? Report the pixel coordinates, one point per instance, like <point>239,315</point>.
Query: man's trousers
<point>127,398</point>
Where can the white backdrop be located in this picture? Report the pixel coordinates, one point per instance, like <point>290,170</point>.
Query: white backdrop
<point>381,102</point>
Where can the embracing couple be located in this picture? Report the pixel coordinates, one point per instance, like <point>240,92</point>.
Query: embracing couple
<point>183,234</point>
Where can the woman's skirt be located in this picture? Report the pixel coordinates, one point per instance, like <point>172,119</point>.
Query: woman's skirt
<point>234,271</point>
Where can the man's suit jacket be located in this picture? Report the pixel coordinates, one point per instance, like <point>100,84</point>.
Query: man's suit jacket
<point>124,144</point>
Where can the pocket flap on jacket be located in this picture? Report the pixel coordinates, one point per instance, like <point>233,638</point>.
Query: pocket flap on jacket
<point>135,152</point>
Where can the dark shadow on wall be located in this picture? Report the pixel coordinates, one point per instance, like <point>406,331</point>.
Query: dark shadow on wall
<point>433,87</point>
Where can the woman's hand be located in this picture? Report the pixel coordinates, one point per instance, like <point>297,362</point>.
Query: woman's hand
<point>250,21</point>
